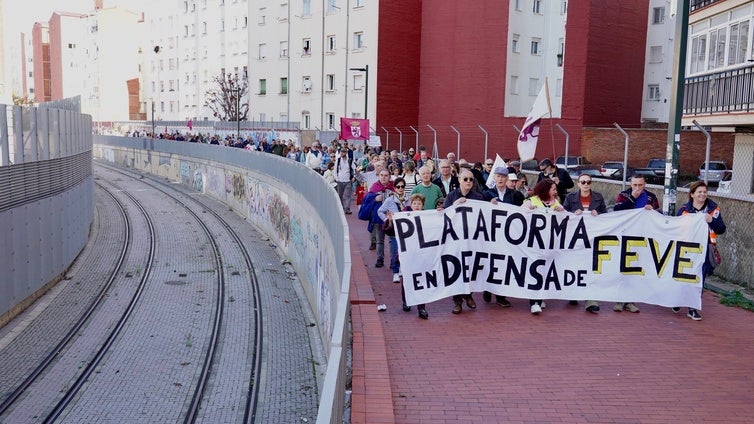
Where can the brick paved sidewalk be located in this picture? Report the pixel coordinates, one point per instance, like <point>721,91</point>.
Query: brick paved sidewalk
<point>566,365</point>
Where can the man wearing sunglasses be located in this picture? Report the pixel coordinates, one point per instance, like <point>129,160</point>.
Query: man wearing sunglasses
<point>464,192</point>
<point>585,200</point>
<point>559,176</point>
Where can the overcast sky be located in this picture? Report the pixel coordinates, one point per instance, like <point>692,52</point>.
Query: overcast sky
<point>20,15</point>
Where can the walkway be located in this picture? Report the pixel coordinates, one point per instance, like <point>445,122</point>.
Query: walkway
<point>496,365</point>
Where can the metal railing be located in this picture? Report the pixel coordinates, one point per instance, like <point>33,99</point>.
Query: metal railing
<point>721,92</point>
<point>698,4</point>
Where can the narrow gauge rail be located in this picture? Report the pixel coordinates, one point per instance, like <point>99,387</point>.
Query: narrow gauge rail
<point>253,389</point>
<point>47,360</point>
<point>92,365</point>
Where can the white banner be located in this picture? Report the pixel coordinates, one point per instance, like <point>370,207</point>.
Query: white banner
<point>627,256</point>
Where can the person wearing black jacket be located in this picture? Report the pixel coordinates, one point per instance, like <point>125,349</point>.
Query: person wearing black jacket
<point>446,180</point>
<point>585,200</point>
<point>560,176</point>
<point>504,191</point>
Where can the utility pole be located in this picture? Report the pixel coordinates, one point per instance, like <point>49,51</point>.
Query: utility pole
<point>676,107</point>
<point>365,69</point>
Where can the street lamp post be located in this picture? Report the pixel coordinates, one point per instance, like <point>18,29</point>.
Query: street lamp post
<point>237,93</point>
<point>365,69</point>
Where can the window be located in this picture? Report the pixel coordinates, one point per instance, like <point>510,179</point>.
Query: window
<point>737,48</point>
<point>262,15</point>
<point>654,92</point>
<point>283,12</point>
<point>185,31</point>
<point>517,4</point>
<point>513,85</point>
<point>559,87</point>
<point>306,8</point>
<point>358,82</point>
<point>658,15</point>
<point>533,86</point>
<point>535,45</point>
<point>563,7</point>
<point>698,53</point>
<point>307,46</point>
<point>655,54</point>
<point>283,85</point>
<point>204,27</point>
<point>330,82</point>
<point>514,43</point>
<point>306,84</point>
<point>561,51</point>
<point>359,3</point>
<point>331,44</point>
<point>262,86</point>
<point>717,48</point>
<point>262,51</point>
<point>332,6</point>
<point>330,120</point>
<point>307,120</point>
<point>536,6</point>
<point>358,40</point>
<point>283,49</point>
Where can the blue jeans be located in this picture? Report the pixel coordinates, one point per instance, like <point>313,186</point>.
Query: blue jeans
<point>394,264</point>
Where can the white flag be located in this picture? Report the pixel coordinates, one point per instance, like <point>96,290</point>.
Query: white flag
<point>527,139</point>
<point>498,163</point>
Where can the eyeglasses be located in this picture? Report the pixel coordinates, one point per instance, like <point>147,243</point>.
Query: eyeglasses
<point>400,186</point>
<point>585,182</point>
<point>467,179</point>
<point>488,164</point>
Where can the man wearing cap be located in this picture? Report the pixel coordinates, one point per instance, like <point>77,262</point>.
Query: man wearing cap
<point>504,191</point>
<point>559,176</point>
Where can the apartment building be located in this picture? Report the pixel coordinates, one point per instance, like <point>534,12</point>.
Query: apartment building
<point>719,91</point>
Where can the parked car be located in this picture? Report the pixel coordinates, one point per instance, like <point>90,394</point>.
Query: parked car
<point>572,161</point>
<point>614,170</point>
<point>654,173</point>
<point>724,186</point>
<point>715,173</point>
<point>591,170</point>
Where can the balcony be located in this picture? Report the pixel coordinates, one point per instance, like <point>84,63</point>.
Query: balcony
<point>729,95</point>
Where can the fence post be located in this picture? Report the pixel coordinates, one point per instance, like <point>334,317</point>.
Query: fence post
<point>486,141</point>
<point>625,156</point>
<point>417,138</point>
<point>706,152</point>
<point>458,143</point>
<point>435,151</point>
<point>568,137</point>
<point>4,141</point>
<point>387,139</point>
<point>400,139</point>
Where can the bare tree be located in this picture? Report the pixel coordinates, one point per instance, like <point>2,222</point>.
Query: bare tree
<point>24,100</point>
<point>226,99</point>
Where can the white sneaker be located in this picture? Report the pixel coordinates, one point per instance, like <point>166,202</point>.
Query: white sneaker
<point>396,278</point>
<point>543,305</point>
<point>536,309</point>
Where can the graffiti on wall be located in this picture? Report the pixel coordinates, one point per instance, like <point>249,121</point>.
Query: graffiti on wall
<point>239,189</point>
<point>198,180</point>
